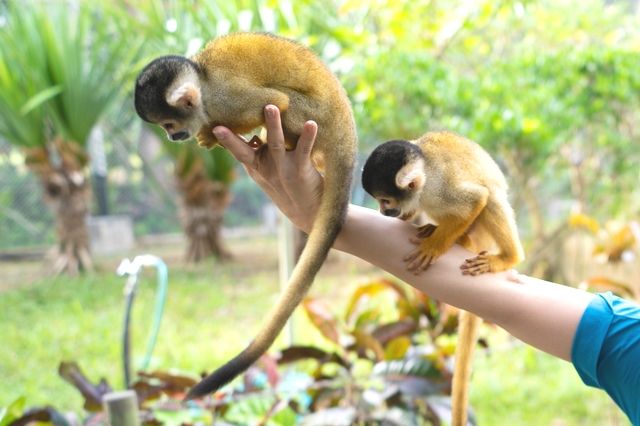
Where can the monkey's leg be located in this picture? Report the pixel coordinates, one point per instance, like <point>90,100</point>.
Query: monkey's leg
<point>246,112</point>
<point>498,221</point>
<point>450,228</point>
<point>467,337</point>
<point>466,242</point>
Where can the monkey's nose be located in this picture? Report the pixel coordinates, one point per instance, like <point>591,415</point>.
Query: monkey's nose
<point>178,136</point>
<point>391,212</point>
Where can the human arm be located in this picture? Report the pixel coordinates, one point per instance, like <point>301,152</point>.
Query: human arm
<point>540,313</point>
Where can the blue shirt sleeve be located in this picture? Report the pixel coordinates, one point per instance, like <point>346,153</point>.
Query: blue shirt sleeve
<point>606,350</point>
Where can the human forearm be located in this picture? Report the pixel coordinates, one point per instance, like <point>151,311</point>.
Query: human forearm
<point>540,313</point>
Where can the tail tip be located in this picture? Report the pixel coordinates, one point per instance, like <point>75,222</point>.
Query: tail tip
<point>198,391</point>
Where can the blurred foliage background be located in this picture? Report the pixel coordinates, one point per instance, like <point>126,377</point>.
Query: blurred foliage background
<point>550,88</point>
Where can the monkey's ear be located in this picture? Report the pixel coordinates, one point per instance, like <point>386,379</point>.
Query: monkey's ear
<point>411,176</point>
<point>186,96</point>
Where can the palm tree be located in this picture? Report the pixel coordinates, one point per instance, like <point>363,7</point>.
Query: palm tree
<point>60,68</point>
<point>204,178</point>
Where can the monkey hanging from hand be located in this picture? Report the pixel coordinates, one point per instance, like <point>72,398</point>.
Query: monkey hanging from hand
<point>458,185</point>
<point>228,84</point>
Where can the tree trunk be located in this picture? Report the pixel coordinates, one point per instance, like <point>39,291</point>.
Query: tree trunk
<point>66,192</point>
<point>202,209</point>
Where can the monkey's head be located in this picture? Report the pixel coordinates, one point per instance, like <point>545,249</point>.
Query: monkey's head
<point>394,175</point>
<point>168,93</point>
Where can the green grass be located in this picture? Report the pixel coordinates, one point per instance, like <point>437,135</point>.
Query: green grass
<point>213,310</point>
<point>519,385</point>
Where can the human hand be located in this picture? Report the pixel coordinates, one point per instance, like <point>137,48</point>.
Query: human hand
<point>287,177</point>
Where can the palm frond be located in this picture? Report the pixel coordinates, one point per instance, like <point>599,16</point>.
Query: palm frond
<point>91,61</point>
<point>24,84</point>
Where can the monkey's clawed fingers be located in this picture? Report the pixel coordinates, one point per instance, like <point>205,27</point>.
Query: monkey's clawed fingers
<point>426,230</point>
<point>477,265</point>
<point>421,258</point>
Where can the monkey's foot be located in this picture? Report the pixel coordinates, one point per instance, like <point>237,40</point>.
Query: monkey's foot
<point>206,143</point>
<point>205,138</point>
<point>422,257</point>
<point>478,265</point>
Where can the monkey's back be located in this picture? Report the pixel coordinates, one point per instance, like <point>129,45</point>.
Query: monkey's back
<point>272,61</point>
<point>460,159</point>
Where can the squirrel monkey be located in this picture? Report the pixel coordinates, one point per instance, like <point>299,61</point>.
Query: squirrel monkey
<point>457,185</point>
<point>229,83</point>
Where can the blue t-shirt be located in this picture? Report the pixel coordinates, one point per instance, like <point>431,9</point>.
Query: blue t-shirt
<point>606,350</point>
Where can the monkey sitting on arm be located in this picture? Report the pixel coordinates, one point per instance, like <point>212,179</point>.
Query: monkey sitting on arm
<point>457,185</point>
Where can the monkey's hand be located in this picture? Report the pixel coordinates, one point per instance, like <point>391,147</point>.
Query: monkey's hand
<point>484,263</point>
<point>426,230</point>
<point>428,250</point>
<point>205,137</point>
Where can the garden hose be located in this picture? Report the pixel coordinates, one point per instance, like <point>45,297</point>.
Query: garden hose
<point>132,269</point>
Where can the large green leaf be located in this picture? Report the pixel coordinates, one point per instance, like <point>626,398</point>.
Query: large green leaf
<point>23,77</point>
<point>60,64</point>
<point>90,58</point>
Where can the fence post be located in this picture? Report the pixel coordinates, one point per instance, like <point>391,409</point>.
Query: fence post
<point>286,262</point>
<point>121,408</point>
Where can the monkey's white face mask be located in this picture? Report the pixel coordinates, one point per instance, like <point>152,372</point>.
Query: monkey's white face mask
<point>410,179</point>
<point>186,96</point>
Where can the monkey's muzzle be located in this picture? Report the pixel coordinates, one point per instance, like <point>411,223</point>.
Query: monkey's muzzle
<point>391,212</point>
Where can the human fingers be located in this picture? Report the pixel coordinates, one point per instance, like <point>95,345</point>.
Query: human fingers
<point>236,145</point>
<point>275,136</point>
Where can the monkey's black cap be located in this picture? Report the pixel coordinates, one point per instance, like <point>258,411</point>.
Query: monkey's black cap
<point>382,166</point>
<point>152,84</point>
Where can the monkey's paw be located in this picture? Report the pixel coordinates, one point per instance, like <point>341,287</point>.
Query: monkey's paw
<point>425,230</point>
<point>478,265</point>
<point>422,257</point>
<point>208,144</point>
<point>206,139</point>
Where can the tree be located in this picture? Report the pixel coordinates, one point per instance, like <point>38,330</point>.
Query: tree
<point>60,68</point>
<point>545,86</point>
<point>204,178</point>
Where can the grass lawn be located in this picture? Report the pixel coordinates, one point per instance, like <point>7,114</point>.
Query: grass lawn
<point>212,311</point>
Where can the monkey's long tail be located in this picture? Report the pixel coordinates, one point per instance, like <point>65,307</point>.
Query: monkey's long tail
<point>467,337</point>
<point>326,226</point>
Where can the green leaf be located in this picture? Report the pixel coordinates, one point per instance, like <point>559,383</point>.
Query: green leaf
<point>369,290</point>
<point>40,98</point>
<point>13,411</point>
<point>417,367</point>
<point>256,409</point>
<point>397,348</point>
<point>368,346</point>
